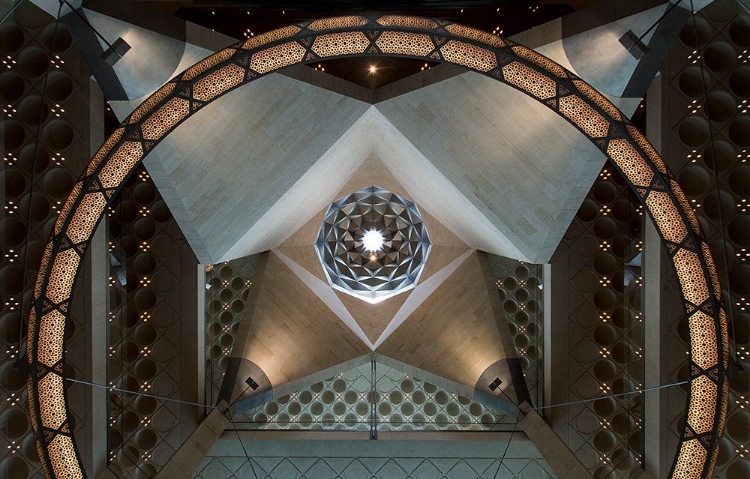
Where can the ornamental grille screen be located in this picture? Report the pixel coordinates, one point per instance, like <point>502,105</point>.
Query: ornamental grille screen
<point>401,402</point>
<point>382,271</point>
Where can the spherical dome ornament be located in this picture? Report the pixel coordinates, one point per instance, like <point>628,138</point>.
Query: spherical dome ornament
<point>373,244</point>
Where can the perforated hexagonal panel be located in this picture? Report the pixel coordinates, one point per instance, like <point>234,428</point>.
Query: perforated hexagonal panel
<point>383,271</point>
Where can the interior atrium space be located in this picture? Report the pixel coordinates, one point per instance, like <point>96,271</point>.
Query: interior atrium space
<point>358,239</point>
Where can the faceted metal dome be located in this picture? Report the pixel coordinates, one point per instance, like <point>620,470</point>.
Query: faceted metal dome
<point>373,275</point>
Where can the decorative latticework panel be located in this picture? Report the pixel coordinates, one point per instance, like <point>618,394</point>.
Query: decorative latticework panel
<point>277,57</point>
<point>420,23</point>
<point>218,82</point>
<point>396,401</point>
<point>337,22</point>
<point>632,165</point>
<point>527,79</point>
<point>598,317</point>
<point>520,287</point>
<point>540,60</point>
<point>122,161</point>
<point>582,114</point>
<point>174,111</point>
<point>62,276</point>
<point>349,43</point>
<point>52,328</point>
<point>227,288</point>
<point>83,223</point>
<point>272,36</point>
<point>468,55</point>
<point>589,92</point>
<point>475,34</point>
<point>201,67</point>
<point>404,43</point>
<point>138,113</point>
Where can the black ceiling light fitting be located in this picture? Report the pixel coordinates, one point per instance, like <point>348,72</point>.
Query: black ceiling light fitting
<point>634,44</point>
<point>114,51</point>
<point>495,384</point>
<point>251,383</point>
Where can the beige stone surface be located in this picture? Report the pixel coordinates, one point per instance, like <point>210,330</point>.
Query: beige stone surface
<point>187,458</point>
<point>293,339</point>
<point>454,333</point>
<point>526,175</point>
<point>282,150</point>
<point>227,165</point>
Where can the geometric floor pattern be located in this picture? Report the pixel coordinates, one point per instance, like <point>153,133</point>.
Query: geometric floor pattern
<point>374,467</point>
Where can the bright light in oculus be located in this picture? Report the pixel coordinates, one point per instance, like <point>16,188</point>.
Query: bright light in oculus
<point>373,240</point>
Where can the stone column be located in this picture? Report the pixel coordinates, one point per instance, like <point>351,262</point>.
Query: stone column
<point>96,266</point>
<point>657,459</point>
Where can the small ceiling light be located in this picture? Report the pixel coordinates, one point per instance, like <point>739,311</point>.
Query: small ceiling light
<point>373,241</point>
<point>373,69</point>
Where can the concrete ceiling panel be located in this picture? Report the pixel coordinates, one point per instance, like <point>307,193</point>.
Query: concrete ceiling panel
<point>223,169</point>
<point>525,169</point>
<point>598,57</point>
<point>282,150</point>
<point>152,60</point>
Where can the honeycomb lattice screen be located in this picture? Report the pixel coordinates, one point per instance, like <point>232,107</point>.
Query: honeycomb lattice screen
<point>401,402</point>
<point>393,35</point>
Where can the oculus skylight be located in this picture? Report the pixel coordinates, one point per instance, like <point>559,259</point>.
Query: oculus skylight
<point>373,244</point>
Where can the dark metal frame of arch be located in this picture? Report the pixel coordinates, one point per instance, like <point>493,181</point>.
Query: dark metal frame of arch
<point>385,35</point>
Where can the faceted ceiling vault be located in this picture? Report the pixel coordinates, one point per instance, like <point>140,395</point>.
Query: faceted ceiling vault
<point>239,184</point>
<point>453,301</point>
<point>252,179</point>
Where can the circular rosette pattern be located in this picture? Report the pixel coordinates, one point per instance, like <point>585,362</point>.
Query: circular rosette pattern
<point>373,274</point>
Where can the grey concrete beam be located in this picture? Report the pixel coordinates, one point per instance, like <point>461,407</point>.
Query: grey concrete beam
<point>561,459</point>
<point>185,461</point>
<point>96,265</point>
<point>53,6</point>
<point>657,457</point>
